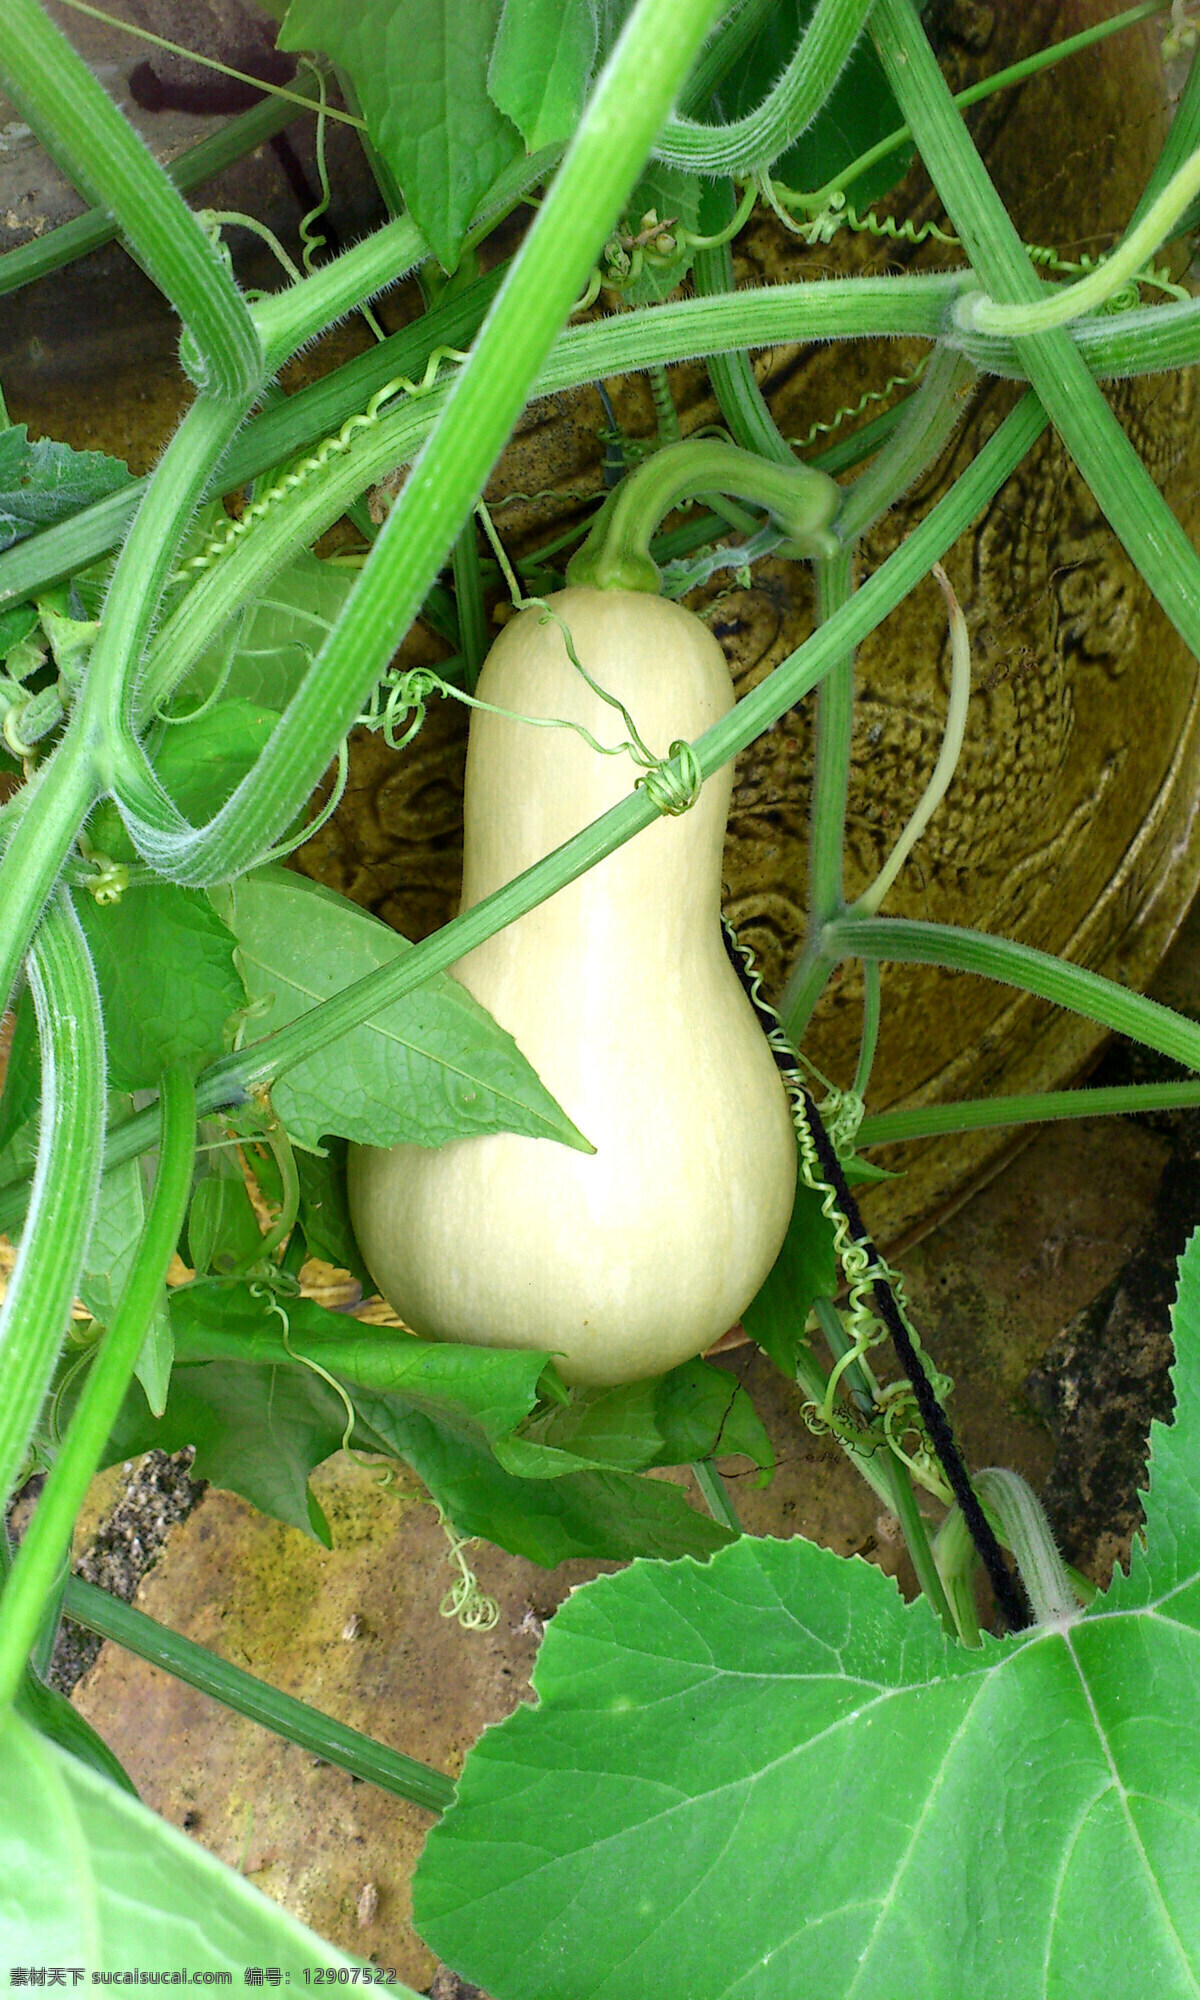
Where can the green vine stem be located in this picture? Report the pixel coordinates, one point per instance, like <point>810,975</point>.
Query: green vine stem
<point>1108,462</point>
<point>716,1495</point>
<point>468,597</point>
<point>28,262</point>
<point>908,941</point>
<point>741,401</point>
<point>41,1290</point>
<point>1183,137</point>
<point>54,805</point>
<point>48,1539</point>
<point>85,134</point>
<point>786,112</point>
<point>294,1720</point>
<point>837,308</point>
<point>1002,79</point>
<point>926,423</point>
<point>929,1121</point>
<point>1028,1534</point>
<point>640,80</point>
<point>286,320</point>
<point>616,554</point>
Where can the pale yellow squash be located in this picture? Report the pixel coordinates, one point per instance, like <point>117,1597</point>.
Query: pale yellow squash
<point>624,1262</point>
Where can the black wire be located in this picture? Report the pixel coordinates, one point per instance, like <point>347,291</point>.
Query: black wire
<point>1007,1593</point>
<point>933,1416</point>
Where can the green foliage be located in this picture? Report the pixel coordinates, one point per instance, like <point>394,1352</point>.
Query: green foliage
<point>430,1068</point>
<point>164,962</point>
<point>325,1211</point>
<point>22,1072</point>
<point>419,68</point>
<point>805,1269</point>
<point>42,482</point>
<point>93,1878</point>
<point>785,1694</point>
<point>502,1447</point>
<point>111,1254</point>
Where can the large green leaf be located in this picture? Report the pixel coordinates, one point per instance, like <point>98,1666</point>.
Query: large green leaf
<point>771,1777</point>
<point>164,962</point>
<point>42,482</point>
<point>90,1878</point>
<point>420,70</point>
<point>542,64</point>
<point>431,1067</point>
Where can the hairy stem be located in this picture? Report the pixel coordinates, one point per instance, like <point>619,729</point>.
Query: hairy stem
<point>101,153</point>
<point>62,1202</point>
<point>48,1539</point>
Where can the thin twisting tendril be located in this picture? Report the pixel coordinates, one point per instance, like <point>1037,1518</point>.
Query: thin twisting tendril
<point>474,1610</point>
<point>842,1113</point>
<point>851,410</point>
<point>297,475</point>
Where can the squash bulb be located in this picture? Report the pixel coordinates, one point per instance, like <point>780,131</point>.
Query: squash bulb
<point>628,1261</point>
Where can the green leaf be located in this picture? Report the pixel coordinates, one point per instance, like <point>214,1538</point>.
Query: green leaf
<point>420,70</point>
<point>164,961</point>
<point>601,1515</point>
<point>22,1090</point>
<point>264,653</point>
<point>673,196</point>
<point>16,624</point>
<point>200,763</point>
<point>42,482</point>
<point>257,1431</point>
<point>325,1210</point>
<point>93,1879</point>
<point>484,1391</point>
<point>52,1715</point>
<point>120,1215</point>
<point>805,1269</point>
<point>542,65</point>
<point>223,1231</point>
<point>899,1815</point>
<point>432,1067</point>
<point>702,1412</point>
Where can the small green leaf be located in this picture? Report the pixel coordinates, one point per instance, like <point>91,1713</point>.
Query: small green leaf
<point>542,65</point>
<point>325,1211</point>
<point>93,1879</point>
<point>704,1413</point>
<point>673,197</point>
<point>200,764</point>
<point>16,624</point>
<point>420,70</point>
<point>263,654</point>
<point>42,482</point>
<point>483,1391</point>
<point>164,961</point>
<point>257,1431</point>
<point>429,1068</point>
<point>223,1231</point>
<point>805,1269</point>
